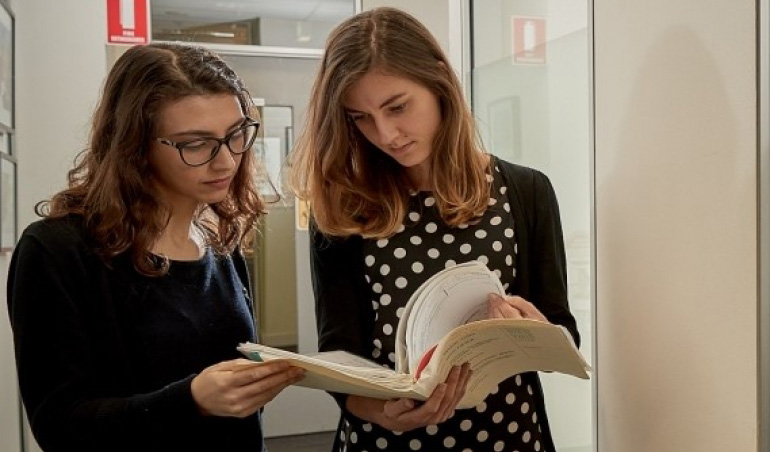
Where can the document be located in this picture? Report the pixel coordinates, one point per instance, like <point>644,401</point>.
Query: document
<point>444,324</point>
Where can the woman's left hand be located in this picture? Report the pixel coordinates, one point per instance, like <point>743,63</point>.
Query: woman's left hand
<point>240,387</point>
<point>512,307</point>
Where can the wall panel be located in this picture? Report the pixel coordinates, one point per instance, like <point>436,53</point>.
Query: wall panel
<point>676,225</point>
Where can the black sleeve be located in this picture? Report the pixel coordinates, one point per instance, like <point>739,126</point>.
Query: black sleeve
<point>68,387</point>
<point>549,263</point>
<point>344,312</point>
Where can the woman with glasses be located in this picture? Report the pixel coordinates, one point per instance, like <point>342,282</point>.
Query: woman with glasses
<point>129,298</point>
<point>399,189</point>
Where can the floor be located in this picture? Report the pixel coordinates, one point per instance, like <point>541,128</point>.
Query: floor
<point>314,442</point>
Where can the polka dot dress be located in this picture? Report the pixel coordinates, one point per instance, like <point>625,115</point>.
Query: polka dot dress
<point>508,420</point>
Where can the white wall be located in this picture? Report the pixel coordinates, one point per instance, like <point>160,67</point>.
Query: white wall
<point>60,65</point>
<point>676,214</point>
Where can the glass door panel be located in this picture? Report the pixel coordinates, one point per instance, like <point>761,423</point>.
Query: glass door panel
<point>530,95</point>
<point>271,23</point>
<point>280,264</point>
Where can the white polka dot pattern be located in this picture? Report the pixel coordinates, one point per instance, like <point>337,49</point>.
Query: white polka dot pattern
<point>394,268</point>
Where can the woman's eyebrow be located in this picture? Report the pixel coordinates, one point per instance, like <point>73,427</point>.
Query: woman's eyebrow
<point>387,101</point>
<point>391,99</point>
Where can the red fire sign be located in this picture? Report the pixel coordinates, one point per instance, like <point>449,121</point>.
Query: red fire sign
<point>529,39</point>
<point>127,21</point>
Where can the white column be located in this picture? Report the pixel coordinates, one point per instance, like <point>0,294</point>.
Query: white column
<point>60,65</point>
<point>676,218</point>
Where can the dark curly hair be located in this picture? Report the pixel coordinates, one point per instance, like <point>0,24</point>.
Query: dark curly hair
<point>108,187</point>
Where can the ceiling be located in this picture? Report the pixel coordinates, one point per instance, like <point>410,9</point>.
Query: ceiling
<point>191,12</point>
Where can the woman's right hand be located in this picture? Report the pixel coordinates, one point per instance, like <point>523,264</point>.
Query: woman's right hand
<point>402,415</point>
<point>240,387</point>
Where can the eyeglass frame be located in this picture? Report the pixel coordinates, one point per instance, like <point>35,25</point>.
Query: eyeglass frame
<point>179,145</point>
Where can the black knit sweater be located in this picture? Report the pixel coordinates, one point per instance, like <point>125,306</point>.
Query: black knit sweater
<point>105,355</point>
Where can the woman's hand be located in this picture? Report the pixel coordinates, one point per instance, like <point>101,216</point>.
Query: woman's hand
<point>512,308</point>
<point>240,387</point>
<point>402,415</point>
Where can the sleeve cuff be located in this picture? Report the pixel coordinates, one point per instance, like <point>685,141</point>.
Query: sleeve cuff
<point>178,399</point>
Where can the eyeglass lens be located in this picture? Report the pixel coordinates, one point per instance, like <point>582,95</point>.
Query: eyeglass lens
<point>201,151</point>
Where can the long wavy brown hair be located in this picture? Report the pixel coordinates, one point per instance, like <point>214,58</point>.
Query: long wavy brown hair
<point>354,188</point>
<point>108,184</point>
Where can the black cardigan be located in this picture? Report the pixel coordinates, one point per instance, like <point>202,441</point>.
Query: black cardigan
<point>345,316</point>
<point>102,352</point>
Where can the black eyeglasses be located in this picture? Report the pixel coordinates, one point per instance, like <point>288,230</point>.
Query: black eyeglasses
<point>202,150</point>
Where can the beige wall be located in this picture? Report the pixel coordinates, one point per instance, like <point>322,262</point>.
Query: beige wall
<point>60,64</point>
<point>676,214</point>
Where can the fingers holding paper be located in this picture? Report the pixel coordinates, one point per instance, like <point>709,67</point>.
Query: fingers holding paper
<point>403,415</point>
<point>512,307</point>
<point>459,376</point>
<point>240,387</point>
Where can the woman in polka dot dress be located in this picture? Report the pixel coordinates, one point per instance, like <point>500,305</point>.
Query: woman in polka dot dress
<point>400,189</point>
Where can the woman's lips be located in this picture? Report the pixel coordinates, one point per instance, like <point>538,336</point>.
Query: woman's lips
<point>219,183</point>
<point>402,149</point>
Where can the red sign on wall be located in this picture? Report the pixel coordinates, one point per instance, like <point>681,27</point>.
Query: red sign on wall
<point>127,21</point>
<point>529,39</point>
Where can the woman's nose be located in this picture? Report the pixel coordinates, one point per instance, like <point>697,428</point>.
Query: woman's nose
<point>387,131</point>
<point>224,159</point>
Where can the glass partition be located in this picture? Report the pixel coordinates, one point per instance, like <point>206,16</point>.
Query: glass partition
<point>281,88</point>
<point>294,24</point>
<point>530,92</point>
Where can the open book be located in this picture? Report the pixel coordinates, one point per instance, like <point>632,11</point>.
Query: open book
<point>443,325</point>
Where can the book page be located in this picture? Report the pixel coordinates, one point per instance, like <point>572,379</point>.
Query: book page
<point>498,349</point>
<point>340,371</point>
<point>347,359</point>
<point>436,319</point>
<point>450,298</point>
